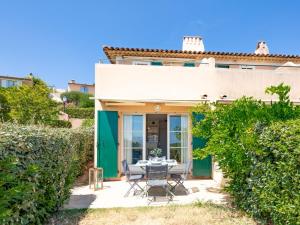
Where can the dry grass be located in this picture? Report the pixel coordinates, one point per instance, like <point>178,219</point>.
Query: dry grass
<point>167,215</point>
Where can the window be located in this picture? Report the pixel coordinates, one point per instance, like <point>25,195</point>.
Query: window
<point>247,67</point>
<point>84,89</point>
<point>140,63</point>
<point>189,64</point>
<point>156,63</point>
<point>178,137</point>
<point>133,131</point>
<point>10,83</point>
<point>224,66</point>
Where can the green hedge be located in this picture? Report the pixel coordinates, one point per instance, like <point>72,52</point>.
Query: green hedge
<point>275,175</point>
<point>81,113</point>
<point>38,166</point>
<point>88,123</point>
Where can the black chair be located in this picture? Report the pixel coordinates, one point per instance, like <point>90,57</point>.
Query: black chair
<point>157,177</point>
<point>131,179</point>
<point>180,178</point>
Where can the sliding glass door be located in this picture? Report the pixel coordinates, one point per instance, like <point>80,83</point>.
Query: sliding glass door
<point>178,137</point>
<point>175,137</point>
<point>133,131</point>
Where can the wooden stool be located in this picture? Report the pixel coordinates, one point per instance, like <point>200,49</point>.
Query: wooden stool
<point>96,177</point>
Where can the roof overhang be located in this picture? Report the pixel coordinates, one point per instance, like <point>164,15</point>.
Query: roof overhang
<point>113,52</point>
<point>142,102</point>
<point>183,103</point>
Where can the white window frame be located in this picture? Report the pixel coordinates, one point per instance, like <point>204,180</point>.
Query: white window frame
<point>168,134</point>
<point>144,153</point>
<point>144,134</point>
<point>141,63</point>
<point>247,67</point>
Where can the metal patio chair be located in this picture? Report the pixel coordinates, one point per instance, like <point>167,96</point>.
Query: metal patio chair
<point>180,178</point>
<point>157,177</point>
<point>133,180</point>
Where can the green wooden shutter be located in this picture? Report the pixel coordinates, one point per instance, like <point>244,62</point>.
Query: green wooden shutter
<point>107,143</point>
<point>224,66</point>
<point>189,64</point>
<point>156,63</point>
<point>201,168</point>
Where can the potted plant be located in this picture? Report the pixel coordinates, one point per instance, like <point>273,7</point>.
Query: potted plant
<point>156,152</point>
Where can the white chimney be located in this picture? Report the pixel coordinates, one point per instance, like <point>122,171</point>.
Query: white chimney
<point>262,48</point>
<point>192,43</point>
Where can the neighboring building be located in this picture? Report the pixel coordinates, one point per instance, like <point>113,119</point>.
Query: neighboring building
<point>8,81</point>
<point>143,98</point>
<point>84,88</point>
<point>55,94</point>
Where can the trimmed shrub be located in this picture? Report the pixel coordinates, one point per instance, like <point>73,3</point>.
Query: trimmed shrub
<point>88,123</point>
<point>38,166</point>
<point>81,113</point>
<point>275,174</point>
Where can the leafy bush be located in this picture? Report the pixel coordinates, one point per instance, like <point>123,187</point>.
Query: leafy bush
<point>86,102</point>
<point>4,108</point>
<point>234,134</point>
<point>88,123</point>
<point>275,174</point>
<point>81,113</point>
<point>72,96</point>
<point>38,167</point>
<point>60,124</point>
<point>30,104</point>
<point>79,99</point>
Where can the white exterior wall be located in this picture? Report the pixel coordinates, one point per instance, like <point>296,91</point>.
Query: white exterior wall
<point>177,83</point>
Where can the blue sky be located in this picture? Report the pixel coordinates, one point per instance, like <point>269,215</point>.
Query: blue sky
<point>60,40</point>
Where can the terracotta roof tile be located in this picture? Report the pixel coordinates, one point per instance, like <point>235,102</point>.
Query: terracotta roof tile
<point>108,51</point>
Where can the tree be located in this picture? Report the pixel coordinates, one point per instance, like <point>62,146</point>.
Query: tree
<point>237,139</point>
<point>79,99</point>
<point>31,104</point>
<point>284,107</point>
<point>72,97</point>
<point>4,108</point>
<point>86,102</point>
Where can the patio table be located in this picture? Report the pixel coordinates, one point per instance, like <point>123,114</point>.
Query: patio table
<point>143,163</point>
<point>140,167</point>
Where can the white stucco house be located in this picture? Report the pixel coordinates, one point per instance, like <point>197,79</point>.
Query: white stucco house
<point>143,97</point>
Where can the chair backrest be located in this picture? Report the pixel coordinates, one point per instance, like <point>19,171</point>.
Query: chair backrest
<point>125,167</point>
<point>157,172</point>
<point>187,169</point>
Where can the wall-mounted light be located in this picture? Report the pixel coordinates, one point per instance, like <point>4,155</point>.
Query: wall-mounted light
<point>223,96</point>
<point>157,108</point>
<point>204,96</point>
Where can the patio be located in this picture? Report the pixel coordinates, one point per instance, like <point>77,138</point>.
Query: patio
<point>112,195</point>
